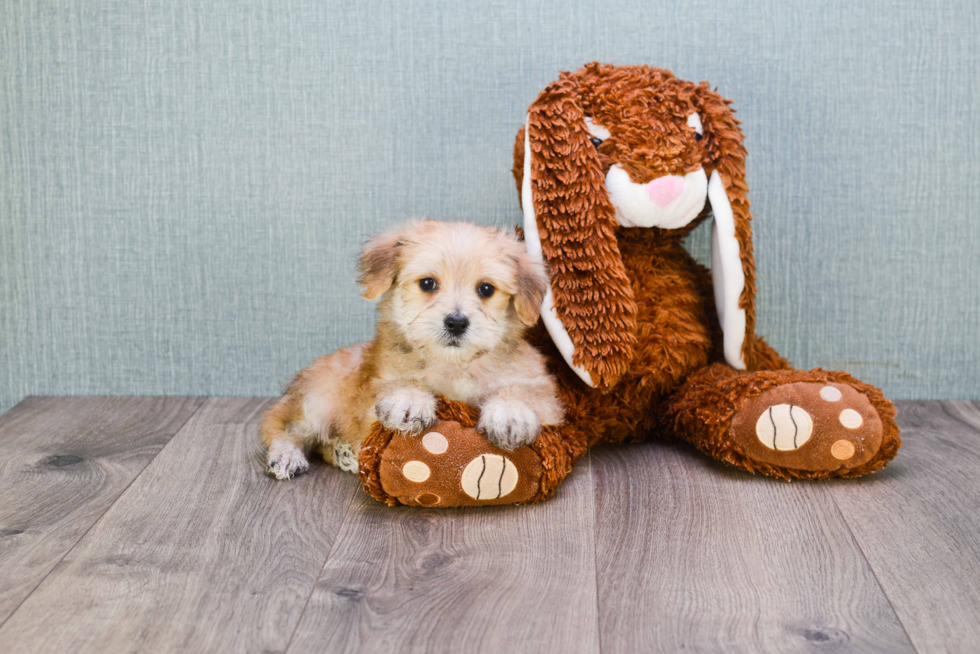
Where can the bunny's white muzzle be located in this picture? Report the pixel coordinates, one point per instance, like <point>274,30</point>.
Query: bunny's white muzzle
<point>668,202</point>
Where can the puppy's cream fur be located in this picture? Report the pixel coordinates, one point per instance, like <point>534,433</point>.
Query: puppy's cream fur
<point>394,379</point>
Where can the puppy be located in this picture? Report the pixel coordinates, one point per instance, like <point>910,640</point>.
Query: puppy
<point>455,301</point>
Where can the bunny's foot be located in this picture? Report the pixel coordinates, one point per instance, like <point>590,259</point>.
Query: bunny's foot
<point>805,424</point>
<point>452,464</point>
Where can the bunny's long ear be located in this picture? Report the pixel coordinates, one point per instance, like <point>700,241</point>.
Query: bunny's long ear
<point>732,254</point>
<point>589,308</point>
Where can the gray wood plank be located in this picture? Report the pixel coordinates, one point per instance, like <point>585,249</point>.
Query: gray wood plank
<point>63,462</point>
<point>918,523</point>
<point>495,579</point>
<point>203,553</point>
<point>695,556</point>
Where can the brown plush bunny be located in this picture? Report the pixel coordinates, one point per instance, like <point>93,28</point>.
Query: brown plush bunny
<point>615,166</point>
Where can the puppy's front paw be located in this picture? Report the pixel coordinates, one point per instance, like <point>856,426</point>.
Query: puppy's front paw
<point>286,460</point>
<point>409,410</point>
<point>509,425</point>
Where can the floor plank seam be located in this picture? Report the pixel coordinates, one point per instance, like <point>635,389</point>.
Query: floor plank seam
<point>100,518</point>
<point>340,529</point>
<point>595,552</point>
<point>874,574</point>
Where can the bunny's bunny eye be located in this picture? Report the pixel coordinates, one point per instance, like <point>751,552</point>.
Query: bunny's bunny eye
<point>597,133</point>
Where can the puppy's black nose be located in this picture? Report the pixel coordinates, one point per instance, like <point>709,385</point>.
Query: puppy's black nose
<point>456,324</point>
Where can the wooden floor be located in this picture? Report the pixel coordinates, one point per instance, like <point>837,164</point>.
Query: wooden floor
<point>147,524</point>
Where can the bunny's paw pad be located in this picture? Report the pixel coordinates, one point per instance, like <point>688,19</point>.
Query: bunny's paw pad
<point>813,426</point>
<point>452,465</point>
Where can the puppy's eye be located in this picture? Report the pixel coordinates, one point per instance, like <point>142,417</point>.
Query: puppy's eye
<point>698,137</point>
<point>428,284</point>
<point>596,141</point>
<point>485,290</point>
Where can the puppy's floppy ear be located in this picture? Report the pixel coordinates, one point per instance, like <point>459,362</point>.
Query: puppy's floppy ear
<point>732,253</point>
<point>531,283</point>
<point>569,221</point>
<point>378,264</point>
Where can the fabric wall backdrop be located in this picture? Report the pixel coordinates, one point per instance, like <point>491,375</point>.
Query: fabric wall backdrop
<point>184,185</point>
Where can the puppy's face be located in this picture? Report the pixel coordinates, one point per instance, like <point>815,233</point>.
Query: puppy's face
<point>453,289</point>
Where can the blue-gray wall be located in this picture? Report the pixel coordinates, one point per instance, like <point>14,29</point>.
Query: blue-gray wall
<point>184,185</point>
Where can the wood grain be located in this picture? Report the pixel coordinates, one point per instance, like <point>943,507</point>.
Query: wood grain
<point>495,579</point>
<point>203,553</point>
<point>63,462</point>
<point>918,523</point>
<point>694,556</point>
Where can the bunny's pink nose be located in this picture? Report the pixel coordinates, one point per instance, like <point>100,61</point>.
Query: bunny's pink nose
<point>665,190</point>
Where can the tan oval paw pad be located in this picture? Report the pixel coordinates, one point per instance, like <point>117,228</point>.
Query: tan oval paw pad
<point>784,427</point>
<point>416,471</point>
<point>489,477</point>
<point>850,418</point>
<point>435,442</point>
<point>842,450</point>
<point>830,393</point>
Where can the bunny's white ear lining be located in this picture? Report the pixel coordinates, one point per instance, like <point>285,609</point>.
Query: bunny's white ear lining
<point>532,241</point>
<point>727,276</point>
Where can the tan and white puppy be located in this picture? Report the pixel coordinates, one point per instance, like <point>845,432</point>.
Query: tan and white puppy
<point>455,302</point>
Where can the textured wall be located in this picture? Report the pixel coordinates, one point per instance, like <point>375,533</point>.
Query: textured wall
<point>184,185</point>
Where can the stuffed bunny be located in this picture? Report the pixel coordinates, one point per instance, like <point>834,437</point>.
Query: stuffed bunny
<point>614,166</point>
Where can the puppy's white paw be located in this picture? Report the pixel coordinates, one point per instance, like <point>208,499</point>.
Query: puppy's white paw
<point>509,424</point>
<point>286,460</point>
<point>409,410</point>
<point>344,457</point>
